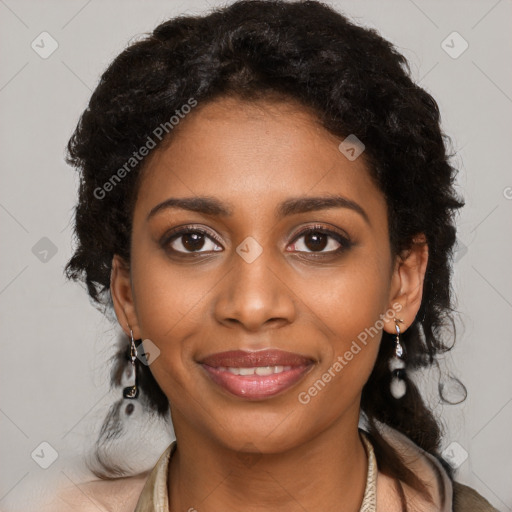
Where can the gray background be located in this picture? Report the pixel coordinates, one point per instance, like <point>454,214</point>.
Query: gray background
<point>55,345</point>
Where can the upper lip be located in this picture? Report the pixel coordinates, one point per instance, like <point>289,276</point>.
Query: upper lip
<point>244,359</point>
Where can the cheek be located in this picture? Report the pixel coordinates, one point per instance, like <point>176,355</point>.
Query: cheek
<point>349,305</point>
<point>348,300</point>
<point>170,306</point>
<point>350,314</point>
<point>168,295</point>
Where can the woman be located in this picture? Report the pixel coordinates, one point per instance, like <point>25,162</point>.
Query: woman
<point>266,203</point>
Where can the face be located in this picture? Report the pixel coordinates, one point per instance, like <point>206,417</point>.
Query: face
<point>256,269</point>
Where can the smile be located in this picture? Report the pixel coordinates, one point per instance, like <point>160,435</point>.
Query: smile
<point>256,375</point>
<point>258,370</point>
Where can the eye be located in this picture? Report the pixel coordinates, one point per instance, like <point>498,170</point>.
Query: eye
<point>312,240</point>
<point>320,240</point>
<point>187,240</point>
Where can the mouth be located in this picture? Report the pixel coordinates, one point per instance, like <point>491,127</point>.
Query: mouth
<point>256,375</point>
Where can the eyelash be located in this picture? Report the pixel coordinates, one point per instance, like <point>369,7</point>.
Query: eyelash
<point>344,241</point>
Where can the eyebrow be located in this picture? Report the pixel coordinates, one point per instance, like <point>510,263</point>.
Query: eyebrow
<point>292,206</point>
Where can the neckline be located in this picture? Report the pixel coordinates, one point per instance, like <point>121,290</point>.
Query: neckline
<point>155,495</point>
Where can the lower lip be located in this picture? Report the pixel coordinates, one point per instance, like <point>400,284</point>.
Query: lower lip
<point>255,387</point>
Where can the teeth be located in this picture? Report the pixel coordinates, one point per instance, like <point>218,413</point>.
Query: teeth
<point>264,370</point>
<point>259,370</point>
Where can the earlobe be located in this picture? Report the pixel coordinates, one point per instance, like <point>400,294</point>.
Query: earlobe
<point>122,297</point>
<point>408,279</point>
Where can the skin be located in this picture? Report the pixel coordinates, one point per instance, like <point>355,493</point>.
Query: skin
<point>274,453</point>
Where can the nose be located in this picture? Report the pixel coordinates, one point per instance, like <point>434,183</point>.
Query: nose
<point>254,295</point>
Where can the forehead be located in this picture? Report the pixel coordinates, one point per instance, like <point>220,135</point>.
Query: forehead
<point>252,156</point>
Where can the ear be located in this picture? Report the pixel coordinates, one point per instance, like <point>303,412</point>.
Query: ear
<point>407,284</point>
<point>122,296</point>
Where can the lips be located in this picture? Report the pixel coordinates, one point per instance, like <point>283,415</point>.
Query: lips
<point>256,375</point>
<point>243,359</point>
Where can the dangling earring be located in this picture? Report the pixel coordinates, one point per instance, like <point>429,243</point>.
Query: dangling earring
<point>397,366</point>
<point>132,391</point>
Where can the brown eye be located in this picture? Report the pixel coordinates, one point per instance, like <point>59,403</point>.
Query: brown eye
<point>190,241</point>
<point>315,240</point>
<point>193,241</point>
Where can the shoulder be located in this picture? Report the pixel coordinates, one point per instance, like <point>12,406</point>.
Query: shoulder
<point>466,498</point>
<point>119,495</point>
<point>447,494</point>
<point>425,467</point>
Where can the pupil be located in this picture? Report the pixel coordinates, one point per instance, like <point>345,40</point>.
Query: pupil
<point>193,241</point>
<point>319,241</point>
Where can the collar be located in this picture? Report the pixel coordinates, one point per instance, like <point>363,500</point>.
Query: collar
<point>154,496</point>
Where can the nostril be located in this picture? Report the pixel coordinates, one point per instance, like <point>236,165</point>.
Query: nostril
<point>129,409</point>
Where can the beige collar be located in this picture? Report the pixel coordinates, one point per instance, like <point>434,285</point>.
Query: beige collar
<point>154,496</point>
<point>425,466</point>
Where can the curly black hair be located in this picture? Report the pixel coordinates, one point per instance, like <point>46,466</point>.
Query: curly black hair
<point>355,82</point>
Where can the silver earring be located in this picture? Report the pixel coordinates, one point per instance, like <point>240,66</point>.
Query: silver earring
<point>397,366</point>
<point>132,391</point>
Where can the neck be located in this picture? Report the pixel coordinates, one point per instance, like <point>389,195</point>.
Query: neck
<point>327,472</point>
